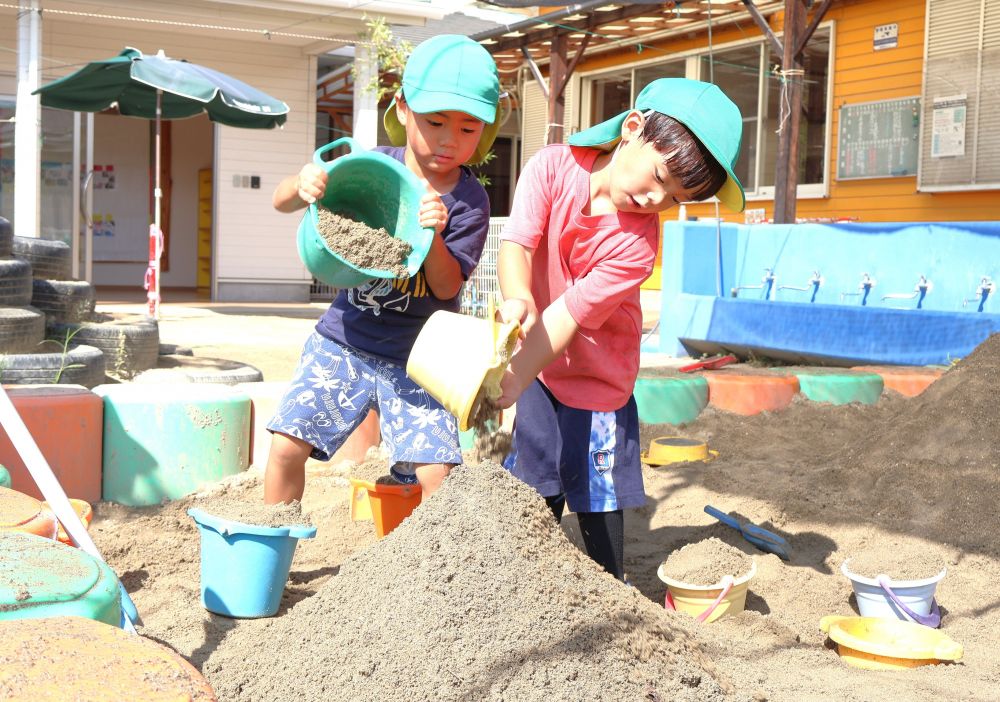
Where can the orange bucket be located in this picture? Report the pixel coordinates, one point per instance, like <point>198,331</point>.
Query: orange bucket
<point>20,512</point>
<point>390,504</point>
<point>88,660</point>
<point>82,509</point>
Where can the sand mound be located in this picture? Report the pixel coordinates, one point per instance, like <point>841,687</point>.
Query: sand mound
<point>477,596</point>
<point>931,463</point>
<point>954,422</point>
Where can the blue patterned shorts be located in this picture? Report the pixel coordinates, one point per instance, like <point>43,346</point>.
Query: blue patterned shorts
<point>332,391</point>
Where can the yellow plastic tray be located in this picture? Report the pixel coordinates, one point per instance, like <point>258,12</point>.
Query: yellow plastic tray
<point>888,644</point>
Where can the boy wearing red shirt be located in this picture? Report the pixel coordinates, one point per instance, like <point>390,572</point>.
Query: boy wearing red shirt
<point>582,237</point>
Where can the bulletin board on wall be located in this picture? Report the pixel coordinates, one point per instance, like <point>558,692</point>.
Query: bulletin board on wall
<point>121,188</point>
<point>879,139</point>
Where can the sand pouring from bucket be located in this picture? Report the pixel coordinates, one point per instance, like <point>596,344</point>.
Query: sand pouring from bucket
<point>460,360</point>
<point>369,187</point>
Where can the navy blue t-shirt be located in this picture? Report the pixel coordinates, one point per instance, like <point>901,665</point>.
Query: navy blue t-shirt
<point>382,317</point>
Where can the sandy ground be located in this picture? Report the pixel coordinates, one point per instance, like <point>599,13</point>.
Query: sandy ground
<point>908,476</point>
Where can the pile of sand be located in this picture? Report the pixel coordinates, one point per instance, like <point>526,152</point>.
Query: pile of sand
<point>706,563</point>
<point>954,423</point>
<point>933,462</point>
<point>478,595</point>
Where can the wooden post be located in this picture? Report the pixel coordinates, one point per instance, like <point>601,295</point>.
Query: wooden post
<point>557,81</point>
<point>786,174</point>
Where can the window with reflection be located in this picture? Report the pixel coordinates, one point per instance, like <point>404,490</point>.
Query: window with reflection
<point>750,75</point>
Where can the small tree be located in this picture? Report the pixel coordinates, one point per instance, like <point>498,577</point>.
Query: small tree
<point>389,54</point>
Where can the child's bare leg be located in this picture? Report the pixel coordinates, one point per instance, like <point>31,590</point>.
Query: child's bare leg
<point>285,475</point>
<point>431,475</point>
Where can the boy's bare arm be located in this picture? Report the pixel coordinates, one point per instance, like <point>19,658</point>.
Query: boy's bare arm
<point>441,269</point>
<point>514,272</point>
<point>300,190</point>
<point>542,344</point>
<point>444,275</point>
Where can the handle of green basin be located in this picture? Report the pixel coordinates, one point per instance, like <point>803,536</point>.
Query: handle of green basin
<point>342,141</point>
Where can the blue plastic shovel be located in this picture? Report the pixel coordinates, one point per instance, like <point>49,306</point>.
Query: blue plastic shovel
<point>761,538</point>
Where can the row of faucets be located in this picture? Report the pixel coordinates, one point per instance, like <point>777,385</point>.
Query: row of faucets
<point>769,286</point>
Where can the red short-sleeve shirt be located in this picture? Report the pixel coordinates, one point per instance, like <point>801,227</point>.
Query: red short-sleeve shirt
<point>597,261</point>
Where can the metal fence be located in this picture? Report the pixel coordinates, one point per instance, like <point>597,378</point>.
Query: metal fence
<point>477,289</point>
<point>483,282</point>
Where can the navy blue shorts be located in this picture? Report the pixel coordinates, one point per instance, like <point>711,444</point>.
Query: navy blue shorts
<point>593,458</point>
<point>335,387</point>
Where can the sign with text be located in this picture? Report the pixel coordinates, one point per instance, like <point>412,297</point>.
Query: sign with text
<point>948,126</point>
<point>886,36</point>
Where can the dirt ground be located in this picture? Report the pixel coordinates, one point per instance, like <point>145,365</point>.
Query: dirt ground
<point>905,482</point>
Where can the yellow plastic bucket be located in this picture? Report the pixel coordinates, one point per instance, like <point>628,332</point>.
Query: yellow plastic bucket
<point>456,356</point>
<point>875,643</point>
<point>361,506</point>
<point>709,602</point>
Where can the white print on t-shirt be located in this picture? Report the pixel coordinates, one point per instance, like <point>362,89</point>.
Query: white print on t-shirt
<point>378,294</point>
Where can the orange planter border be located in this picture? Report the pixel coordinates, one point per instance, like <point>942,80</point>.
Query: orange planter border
<point>750,394</point>
<point>908,382</point>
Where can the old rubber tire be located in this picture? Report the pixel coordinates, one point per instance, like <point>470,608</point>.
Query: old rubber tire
<point>130,345</point>
<point>666,400</point>
<point>198,369</point>
<point>6,237</point>
<point>841,389</point>
<point>63,300</point>
<point>50,260</point>
<point>15,283</point>
<point>80,365</point>
<point>22,329</point>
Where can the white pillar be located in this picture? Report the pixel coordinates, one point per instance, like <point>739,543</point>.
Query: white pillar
<point>365,100</point>
<point>27,125</point>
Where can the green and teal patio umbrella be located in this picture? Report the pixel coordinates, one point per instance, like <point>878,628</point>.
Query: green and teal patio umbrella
<point>158,88</point>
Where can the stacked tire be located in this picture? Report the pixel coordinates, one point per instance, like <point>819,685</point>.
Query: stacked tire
<point>48,330</point>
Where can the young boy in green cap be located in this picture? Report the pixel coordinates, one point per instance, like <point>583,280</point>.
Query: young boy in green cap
<point>443,116</point>
<point>582,237</point>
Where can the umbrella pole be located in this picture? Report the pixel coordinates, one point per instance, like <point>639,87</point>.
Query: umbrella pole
<point>155,235</point>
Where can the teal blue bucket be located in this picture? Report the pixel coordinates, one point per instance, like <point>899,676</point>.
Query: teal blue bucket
<point>244,567</point>
<point>369,187</point>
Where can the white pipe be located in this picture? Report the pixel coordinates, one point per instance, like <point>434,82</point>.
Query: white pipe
<point>74,230</point>
<point>49,485</point>
<point>88,251</point>
<point>27,127</point>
